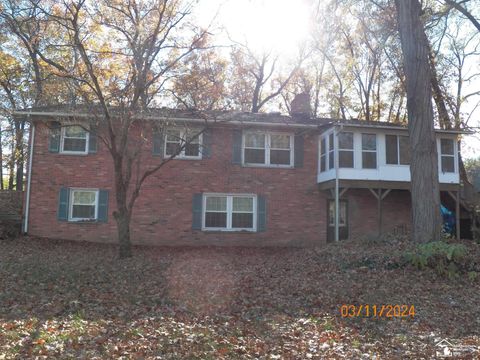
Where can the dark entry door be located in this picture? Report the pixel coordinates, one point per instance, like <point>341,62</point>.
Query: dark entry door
<point>342,221</point>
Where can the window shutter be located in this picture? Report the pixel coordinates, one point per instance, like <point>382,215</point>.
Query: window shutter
<point>207,143</point>
<point>158,143</point>
<point>103,206</point>
<point>261,213</point>
<point>92,141</point>
<point>298,151</point>
<point>54,138</point>
<point>63,204</point>
<point>237,147</point>
<point>197,211</point>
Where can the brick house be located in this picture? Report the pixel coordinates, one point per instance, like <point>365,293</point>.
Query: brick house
<point>249,179</point>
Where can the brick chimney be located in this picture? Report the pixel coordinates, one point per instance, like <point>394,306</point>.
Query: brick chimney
<point>300,106</point>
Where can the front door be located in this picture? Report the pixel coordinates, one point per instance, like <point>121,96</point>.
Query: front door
<point>342,221</point>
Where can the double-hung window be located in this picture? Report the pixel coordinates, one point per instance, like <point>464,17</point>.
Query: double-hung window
<point>369,151</point>
<point>271,149</point>
<point>74,140</point>
<point>229,212</point>
<point>397,150</point>
<point>83,205</point>
<point>447,155</point>
<point>183,144</point>
<point>345,150</point>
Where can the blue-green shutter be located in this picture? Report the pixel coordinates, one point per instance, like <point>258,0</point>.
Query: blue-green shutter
<point>207,143</point>
<point>237,147</point>
<point>92,141</point>
<point>158,143</point>
<point>103,206</point>
<point>63,199</point>
<point>298,151</point>
<point>261,213</point>
<point>54,138</point>
<point>197,206</point>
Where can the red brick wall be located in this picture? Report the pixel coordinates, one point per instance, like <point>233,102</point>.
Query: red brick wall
<point>363,212</point>
<point>296,209</point>
<point>163,212</point>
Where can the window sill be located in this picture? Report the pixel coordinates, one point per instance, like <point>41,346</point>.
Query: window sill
<point>183,158</point>
<point>73,153</point>
<point>70,221</point>
<point>230,231</point>
<point>269,166</point>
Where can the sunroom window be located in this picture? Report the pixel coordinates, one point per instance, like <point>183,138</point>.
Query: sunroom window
<point>74,139</point>
<point>397,150</point>
<point>268,149</point>
<point>345,150</point>
<point>447,150</point>
<point>369,151</point>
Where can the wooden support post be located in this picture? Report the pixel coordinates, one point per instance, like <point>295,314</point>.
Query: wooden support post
<point>379,201</point>
<point>457,214</point>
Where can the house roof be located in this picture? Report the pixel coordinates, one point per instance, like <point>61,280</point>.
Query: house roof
<point>219,116</point>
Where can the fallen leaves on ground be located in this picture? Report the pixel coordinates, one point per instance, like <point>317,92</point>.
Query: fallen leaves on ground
<point>62,299</point>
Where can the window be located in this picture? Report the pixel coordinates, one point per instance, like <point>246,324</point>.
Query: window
<point>369,151</point>
<point>229,212</point>
<point>345,149</point>
<point>331,152</point>
<point>74,139</point>
<point>397,150</point>
<point>323,154</point>
<point>83,205</point>
<point>268,149</point>
<point>447,151</point>
<point>183,144</point>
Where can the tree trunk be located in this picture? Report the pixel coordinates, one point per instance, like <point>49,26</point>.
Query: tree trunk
<point>123,227</point>
<point>443,117</point>
<point>1,161</point>
<point>425,190</point>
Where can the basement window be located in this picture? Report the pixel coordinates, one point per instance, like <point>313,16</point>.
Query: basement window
<point>229,212</point>
<point>83,205</point>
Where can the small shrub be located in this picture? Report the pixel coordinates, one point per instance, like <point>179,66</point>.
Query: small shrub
<point>445,258</point>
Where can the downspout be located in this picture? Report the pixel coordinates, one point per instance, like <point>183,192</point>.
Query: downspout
<point>29,178</point>
<point>337,202</point>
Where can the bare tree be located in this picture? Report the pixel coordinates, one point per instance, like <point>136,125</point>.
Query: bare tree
<point>119,78</point>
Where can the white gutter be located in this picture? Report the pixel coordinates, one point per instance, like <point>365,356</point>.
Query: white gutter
<point>162,118</point>
<point>29,178</point>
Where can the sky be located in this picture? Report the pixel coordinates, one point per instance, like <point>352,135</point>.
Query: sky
<point>277,25</point>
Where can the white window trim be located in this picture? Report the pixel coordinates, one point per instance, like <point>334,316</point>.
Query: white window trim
<point>70,204</point>
<point>181,155</point>
<point>267,149</point>
<point>229,212</point>
<point>454,156</point>
<point>69,152</point>
<point>369,151</point>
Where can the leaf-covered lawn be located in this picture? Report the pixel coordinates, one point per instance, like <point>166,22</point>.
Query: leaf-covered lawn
<point>77,300</point>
